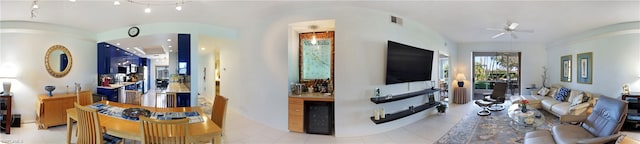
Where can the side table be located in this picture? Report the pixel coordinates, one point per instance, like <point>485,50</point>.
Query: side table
<point>460,95</point>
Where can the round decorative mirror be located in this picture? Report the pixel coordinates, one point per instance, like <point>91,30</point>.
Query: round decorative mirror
<point>58,61</point>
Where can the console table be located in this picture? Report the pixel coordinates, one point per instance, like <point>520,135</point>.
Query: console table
<point>460,95</point>
<point>7,112</point>
<point>51,110</point>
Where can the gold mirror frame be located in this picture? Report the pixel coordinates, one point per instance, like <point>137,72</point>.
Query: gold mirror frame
<point>55,73</point>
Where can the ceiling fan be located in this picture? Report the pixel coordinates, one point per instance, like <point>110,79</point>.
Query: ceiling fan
<point>510,28</point>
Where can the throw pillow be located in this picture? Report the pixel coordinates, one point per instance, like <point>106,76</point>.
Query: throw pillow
<point>576,100</point>
<point>562,94</point>
<point>543,91</point>
<point>573,94</point>
<point>552,92</point>
<point>585,97</point>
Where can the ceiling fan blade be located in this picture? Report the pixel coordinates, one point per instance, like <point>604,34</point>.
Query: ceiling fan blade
<point>513,26</point>
<point>497,35</point>
<point>494,29</point>
<point>527,31</point>
<point>513,35</point>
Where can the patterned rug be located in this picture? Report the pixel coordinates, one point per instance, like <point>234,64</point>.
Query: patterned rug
<point>493,129</point>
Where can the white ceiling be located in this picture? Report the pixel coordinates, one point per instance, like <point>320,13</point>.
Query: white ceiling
<point>154,46</point>
<point>460,21</point>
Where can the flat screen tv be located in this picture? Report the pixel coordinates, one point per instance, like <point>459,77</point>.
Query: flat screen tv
<point>407,63</point>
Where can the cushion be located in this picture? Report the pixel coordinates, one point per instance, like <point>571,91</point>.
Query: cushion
<point>569,134</point>
<point>543,91</point>
<point>548,103</point>
<point>576,100</point>
<point>561,108</point>
<point>573,94</point>
<point>539,137</point>
<point>552,92</point>
<point>562,95</point>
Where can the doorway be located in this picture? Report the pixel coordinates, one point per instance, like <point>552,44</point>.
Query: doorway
<point>492,67</point>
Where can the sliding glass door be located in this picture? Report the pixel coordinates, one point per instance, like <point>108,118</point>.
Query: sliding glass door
<point>492,67</point>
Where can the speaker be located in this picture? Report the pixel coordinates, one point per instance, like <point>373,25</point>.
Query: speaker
<point>15,120</point>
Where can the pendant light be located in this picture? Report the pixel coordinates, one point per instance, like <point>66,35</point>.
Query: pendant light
<point>313,28</point>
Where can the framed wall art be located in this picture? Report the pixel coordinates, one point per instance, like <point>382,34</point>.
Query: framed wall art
<point>585,67</point>
<point>565,68</point>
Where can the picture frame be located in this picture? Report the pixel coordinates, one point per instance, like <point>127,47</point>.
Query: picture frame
<point>585,68</point>
<point>565,68</point>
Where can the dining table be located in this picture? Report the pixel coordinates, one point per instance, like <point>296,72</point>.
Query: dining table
<point>129,129</point>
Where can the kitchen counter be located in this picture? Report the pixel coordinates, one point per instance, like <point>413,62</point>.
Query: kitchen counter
<point>177,88</point>
<point>313,97</point>
<point>118,85</point>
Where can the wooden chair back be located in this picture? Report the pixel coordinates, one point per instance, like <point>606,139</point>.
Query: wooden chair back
<point>219,110</point>
<point>172,100</point>
<point>164,131</point>
<point>133,97</point>
<point>89,129</point>
<point>84,98</point>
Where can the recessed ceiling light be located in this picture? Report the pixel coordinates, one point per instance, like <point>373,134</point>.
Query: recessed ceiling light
<point>170,46</point>
<point>170,50</point>
<point>202,48</point>
<point>117,43</point>
<point>72,0</point>
<point>179,7</point>
<point>116,3</point>
<point>147,10</point>
<point>168,39</point>
<point>127,48</point>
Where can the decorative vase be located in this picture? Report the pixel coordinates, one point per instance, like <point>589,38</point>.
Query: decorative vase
<point>523,108</point>
<point>50,89</point>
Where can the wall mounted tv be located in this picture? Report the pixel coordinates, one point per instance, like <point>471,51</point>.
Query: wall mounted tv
<point>407,63</point>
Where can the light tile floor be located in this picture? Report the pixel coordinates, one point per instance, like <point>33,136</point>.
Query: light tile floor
<point>241,130</point>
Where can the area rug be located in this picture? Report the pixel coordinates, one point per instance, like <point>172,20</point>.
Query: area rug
<point>493,129</point>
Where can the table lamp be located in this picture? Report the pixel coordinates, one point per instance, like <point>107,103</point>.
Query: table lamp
<point>7,73</point>
<point>460,79</point>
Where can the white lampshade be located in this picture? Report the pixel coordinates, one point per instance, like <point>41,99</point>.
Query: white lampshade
<point>7,72</point>
<point>461,77</point>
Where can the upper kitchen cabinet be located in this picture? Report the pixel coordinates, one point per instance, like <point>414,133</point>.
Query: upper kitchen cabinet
<point>184,54</point>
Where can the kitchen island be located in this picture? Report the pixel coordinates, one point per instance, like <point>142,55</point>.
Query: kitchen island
<point>181,92</point>
<point>115,92</point>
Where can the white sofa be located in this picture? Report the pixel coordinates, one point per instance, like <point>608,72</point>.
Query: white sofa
<point>558,108</point>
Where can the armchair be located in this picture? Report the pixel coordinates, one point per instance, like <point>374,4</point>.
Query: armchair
<point>601,126</point>
<point>491,103</point>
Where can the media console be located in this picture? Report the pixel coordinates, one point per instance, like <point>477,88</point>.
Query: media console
<point>404,113</point>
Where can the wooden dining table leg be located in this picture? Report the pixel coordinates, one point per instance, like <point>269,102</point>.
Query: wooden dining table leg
<point>69,126</point>
<point>217,139</point>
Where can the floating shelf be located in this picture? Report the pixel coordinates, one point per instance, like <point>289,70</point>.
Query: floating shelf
<point>385,99</point>
<point>405,113</point>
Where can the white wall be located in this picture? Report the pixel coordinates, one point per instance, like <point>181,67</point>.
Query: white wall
<point>257,69</point>
<point>24,45</point>
<point>615,48</point>
<point>207,86</point>
<point>532,61</point>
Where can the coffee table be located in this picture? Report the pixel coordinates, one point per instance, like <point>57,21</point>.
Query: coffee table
<point>525,122</point>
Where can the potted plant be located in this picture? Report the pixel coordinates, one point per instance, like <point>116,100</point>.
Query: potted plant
<point>441,108</point>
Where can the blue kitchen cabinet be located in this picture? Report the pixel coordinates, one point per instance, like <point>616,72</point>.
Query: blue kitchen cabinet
<point>183,99</point>
<point>184,53</point>
<point>110,94</point>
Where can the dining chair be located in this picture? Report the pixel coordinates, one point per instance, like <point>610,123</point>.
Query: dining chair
<point>172,100</point>
<point>218,114</point>
<point>89,129</point>
<point>84,98</point>
<point>133,97</point>
<point>219,110</point>
<point>164,131</point>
